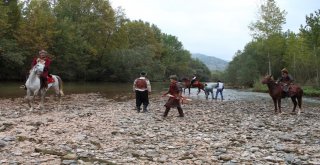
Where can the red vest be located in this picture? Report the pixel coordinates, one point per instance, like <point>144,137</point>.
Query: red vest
<point>141,84</point>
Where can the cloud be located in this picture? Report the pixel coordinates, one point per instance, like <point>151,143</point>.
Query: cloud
<point>213,27</point>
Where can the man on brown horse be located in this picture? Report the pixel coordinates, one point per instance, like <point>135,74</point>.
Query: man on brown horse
<point>194,79</point>
<point>285,80</point>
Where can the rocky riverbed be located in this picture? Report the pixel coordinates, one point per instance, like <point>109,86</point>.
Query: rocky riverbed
<point>90,129</point>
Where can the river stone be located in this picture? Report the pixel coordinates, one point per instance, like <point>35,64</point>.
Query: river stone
<point>2,143</point>
<point>209,131</point>
<point>225,157</point>
<point>70,156</point>
<point>69,162</point>
<point>273,159</point>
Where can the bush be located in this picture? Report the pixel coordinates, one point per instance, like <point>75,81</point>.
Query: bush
<point>259,87</point>
<point>311,91</point>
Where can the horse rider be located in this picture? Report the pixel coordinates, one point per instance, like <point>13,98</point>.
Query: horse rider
<point>285,80</point>
<point>194,78</point>
<point>43,55</point>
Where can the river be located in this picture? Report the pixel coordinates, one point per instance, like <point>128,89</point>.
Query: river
<point>124,91</point>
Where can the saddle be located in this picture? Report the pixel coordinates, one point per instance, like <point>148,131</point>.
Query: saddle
<point>289,90</point>
<point>50,79</point>
<point>44,84</point>
<point>195,83</point>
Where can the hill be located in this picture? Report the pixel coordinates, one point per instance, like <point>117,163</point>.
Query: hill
<point>213,63</point>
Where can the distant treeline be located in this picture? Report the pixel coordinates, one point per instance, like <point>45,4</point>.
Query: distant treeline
<point>271,50</point>
<point>88,41</point>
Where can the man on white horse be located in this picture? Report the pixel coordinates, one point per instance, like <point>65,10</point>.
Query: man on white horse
<point>38,80</point>
<point>43,55</point>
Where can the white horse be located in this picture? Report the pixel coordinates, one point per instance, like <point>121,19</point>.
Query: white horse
<point>33,85</point>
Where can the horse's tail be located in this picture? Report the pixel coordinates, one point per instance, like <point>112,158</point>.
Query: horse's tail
<point>60,86</point>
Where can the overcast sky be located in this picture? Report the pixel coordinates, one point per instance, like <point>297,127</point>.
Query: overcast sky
<point>212,27</point>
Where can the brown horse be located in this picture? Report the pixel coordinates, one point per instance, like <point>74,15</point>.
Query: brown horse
<point>187,85</point>
<point>276,92</point>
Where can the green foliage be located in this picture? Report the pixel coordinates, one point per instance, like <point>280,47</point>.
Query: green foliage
<point>259,87</point>
<point>270,21</point>
<point>311,34</point>
<point>11,55</point>
<point>271,50</point>
<point>311,91</point>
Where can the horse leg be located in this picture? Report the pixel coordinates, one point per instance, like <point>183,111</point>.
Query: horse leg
<point>274,103</point>
<point>29,100</point>
<point>279,105</point>
<point>294,104</point>
<point>58,94</point>
<point>299,103</point>
<point>42,93</point>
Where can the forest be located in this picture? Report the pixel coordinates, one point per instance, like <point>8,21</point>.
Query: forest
<point>90,41</point>
<point>272,49</point>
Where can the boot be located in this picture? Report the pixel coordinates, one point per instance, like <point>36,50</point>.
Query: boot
<point>165,114</point>
<point>145,109</point>
<point>180,112</point>
<point>138,109</point>
<point>45,82</point>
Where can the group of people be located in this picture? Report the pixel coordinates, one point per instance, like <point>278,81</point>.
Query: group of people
<point>208,89</point>
<point>142,88</point>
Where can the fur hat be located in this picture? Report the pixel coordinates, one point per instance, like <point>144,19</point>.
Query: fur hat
<point>173,77</point>
<point>284,70</point>
<point>143,73</point>
<point>43,52</point>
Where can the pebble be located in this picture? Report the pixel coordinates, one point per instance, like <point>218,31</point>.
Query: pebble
<point>90,129</point>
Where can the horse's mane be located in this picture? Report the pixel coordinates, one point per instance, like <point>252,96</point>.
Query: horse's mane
<point>185,79</point>
<point>268,79</point>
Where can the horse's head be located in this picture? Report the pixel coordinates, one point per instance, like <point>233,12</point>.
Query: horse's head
<point>267,79</point>
<point>185,79</point>
<point>39,67</point>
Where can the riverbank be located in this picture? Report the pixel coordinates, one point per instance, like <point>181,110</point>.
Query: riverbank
<point>90,129</point>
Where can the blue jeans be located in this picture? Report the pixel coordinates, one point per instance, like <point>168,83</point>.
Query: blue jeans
<point>219,91</point>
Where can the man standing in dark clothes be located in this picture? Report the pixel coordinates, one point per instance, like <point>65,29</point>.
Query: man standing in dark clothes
<point>175,91</point>
<point>142,88</point>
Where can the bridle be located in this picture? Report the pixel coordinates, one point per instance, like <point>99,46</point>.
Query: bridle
<point>38,68</point>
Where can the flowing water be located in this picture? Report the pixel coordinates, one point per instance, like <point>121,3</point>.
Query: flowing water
<point>123,91</point>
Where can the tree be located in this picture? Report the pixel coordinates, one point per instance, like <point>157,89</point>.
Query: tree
<point>270,22</point>
<point>311,33</point>
<point>11,56</point>
<point>83,38</point>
